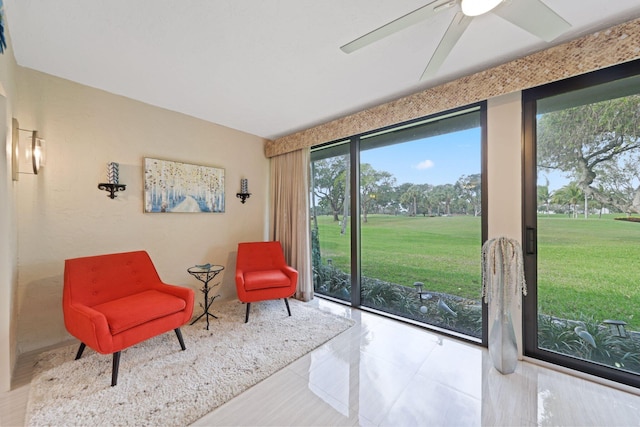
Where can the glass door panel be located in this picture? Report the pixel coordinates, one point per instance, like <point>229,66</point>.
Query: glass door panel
<point>330,218</point>
<point>421,223</point>
<point>586,210</point>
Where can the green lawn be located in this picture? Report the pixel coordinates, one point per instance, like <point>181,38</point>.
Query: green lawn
<point>586,267</point>
<point>589,267</point>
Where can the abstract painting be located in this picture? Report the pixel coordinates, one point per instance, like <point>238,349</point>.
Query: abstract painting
<point>181,187</point>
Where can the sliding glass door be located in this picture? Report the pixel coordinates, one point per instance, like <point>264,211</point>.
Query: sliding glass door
<point>330,220</point>
<point>412,247</point>
<point>582,218</point>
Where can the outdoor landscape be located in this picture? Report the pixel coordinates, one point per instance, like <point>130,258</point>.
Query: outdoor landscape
<point>572,286</point>
<point>411,249</point>
<point>588,234</point>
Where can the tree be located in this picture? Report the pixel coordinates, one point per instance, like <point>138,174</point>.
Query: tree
<point>373,183</point>
<point>428,199</point>
<point>569,195</point>
<point>469,188</point>
<point>396,201</point>
<point>620,183</point>
<point>411,197</point>
<point>544,195</point>
<point>346,200</point>
<point>444,194</point>
<point>386,197</point>
<point>329,176</point>
<point>599,146</point>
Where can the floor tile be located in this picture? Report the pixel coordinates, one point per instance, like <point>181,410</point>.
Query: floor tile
<point>427,402</point>
<point>282,399</point>
<point>456,364</point>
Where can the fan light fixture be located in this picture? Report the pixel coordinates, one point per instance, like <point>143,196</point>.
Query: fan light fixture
<point>532,16</point>
<point>478,7</point>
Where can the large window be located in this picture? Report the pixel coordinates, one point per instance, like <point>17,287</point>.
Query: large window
<point>582,218</point>
<point>398,224</point>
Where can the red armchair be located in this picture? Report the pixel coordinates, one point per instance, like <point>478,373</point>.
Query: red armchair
<point>262,274</point>
<point>111,302</point>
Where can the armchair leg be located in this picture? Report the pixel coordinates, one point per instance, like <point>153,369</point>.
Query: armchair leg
<point>286,302</point>
<point>246,318</point>
<point>80,350</point>
<point>114,371</point>
<point>179,335</point>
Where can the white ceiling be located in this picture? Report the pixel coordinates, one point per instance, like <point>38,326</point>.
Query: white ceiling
<point>267,67</point>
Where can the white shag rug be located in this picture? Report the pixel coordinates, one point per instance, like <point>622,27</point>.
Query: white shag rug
<point>158,384</point>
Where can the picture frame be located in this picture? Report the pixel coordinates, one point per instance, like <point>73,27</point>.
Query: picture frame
<point>171,186</point>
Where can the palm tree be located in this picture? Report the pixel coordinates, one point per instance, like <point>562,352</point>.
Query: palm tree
<point>412,197</point>
<point>544,197</point>
<point>570,195</point>
<point>445,193</point>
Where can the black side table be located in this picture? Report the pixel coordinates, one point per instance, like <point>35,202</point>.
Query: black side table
<point>205,274</point>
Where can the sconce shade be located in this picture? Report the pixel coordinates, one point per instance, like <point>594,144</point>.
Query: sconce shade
<point>244,194</point>
<point>113,180</point>
<point>15,149</point>
<point>30,153</point>
<point>37,152</point>
<point>113,172</point>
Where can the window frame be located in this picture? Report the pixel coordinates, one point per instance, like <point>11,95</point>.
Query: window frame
<point>530,97</point>
<point>354,142</point>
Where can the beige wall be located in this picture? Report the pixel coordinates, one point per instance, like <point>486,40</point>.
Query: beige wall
<point>62,214</point>
<point>504,179</point>
<point>8,228</point>
<point>504,164</point>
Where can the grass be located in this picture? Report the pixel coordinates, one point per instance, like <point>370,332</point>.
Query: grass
<point>590,267</point>
<point>586,267</point>
<point>403,250</point>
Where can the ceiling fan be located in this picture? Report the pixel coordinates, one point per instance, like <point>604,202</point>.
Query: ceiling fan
<point>532,16</point>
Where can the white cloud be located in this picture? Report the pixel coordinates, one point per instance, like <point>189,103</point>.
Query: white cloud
<point>425,164</point>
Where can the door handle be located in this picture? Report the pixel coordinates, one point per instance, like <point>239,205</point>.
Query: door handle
<point>531,240</point>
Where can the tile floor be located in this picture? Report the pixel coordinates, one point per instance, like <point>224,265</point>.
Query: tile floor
<point>384,372</point>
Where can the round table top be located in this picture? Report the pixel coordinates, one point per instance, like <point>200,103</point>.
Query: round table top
<point>206,268</point>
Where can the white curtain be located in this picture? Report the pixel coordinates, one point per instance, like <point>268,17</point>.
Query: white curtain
<point>290,214</point>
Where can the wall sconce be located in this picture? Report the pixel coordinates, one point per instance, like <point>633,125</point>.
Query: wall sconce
<point>244,194</point>
<point>28,152</point>
<point>113,172</point>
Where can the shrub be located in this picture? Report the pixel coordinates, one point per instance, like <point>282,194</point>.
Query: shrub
<point>561,335</point>
<point>403,301</point>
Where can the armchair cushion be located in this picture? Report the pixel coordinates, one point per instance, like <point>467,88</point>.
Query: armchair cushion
<point>134,310</point>
<point>265,279</point>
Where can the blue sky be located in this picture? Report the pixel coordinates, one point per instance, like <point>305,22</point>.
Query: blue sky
<point>556,179</point>
<point>436,160</point>
<point>440,160</point>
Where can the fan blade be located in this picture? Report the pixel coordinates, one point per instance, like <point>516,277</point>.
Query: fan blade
<point>451,36</point>
<point>533,16</point>
<point>399,24</point>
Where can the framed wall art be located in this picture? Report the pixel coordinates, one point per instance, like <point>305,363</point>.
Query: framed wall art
<point>181,187</point>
